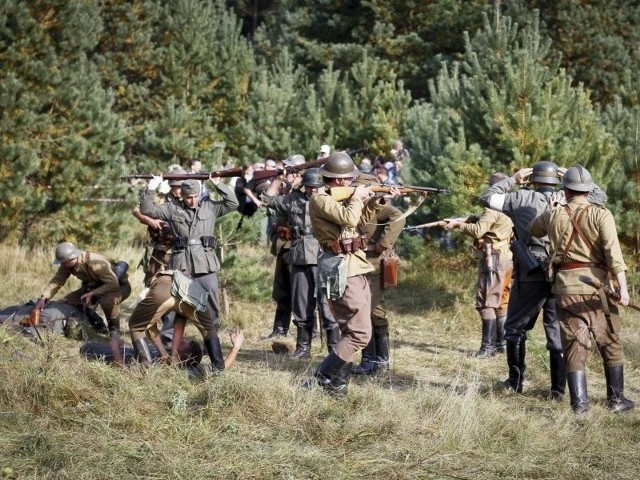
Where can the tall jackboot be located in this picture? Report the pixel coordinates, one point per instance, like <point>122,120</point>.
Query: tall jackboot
<point>332,375</point>
<point>558,375</point>
<point>578,391</point>
<point>141,348</point>
<point>333,337</point>
<point>214,349</point>
<point>368,364</point>
<point>515,361</point>
<point>381,337</point>
<point>501,346</point>
<point>488,343</point>
<point>303,343</point>
<point>281,322</point>
<point>616,400</point>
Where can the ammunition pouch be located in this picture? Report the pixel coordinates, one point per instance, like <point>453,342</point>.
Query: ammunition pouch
<point>346,245</point>
<point>283,232</point>
<point>120,269</point>
<point>389,272</point>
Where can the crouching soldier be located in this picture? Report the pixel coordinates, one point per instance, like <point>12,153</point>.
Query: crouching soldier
<point>171,291</point>
<point>104,281</point>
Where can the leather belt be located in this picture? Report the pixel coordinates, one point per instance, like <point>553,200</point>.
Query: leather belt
<point>346,245</point>
<point>194,241</point>
<point>574,265</point>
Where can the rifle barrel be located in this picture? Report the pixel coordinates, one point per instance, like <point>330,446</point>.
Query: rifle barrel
<point>232,172</point>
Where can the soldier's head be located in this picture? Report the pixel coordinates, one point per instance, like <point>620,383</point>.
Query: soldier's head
<point>311,180</point>
<point>544,175</point>
<point>190,193</point>
<point>339,170</point>
<point>67,254</point>
<point>577,181</point>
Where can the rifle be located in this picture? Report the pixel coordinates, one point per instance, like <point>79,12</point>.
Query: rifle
<point>355,151</point>
<point>266,174</point>
<point>344,193</point>
<point>442,223</point>
<point>231,172</point>
<point>595,283</point>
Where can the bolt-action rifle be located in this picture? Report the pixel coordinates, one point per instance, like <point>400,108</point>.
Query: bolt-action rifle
<point>442,223</point>
<point>231,172</point>
<point>344,193</point>
<point>595,283</point>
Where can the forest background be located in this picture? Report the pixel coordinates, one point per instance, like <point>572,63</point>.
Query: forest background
<point>91,90</point>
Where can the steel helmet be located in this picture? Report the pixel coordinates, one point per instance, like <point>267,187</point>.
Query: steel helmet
<point>66,251</point>
<point>312,178</point>
<point>294,160</point>
<point>339,165</point>
<point>578,179</point>
<point>545,172</point>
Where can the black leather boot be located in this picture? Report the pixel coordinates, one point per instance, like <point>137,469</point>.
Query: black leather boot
<point>501,346</point>
<point>280,324</point>
<point>333,337</point>
<point>488,343</point>
<point>381,337</point>
<point>515,361</point>
<point>141,347</point>
<point>558,375</point>
<point>214,349</point>
<point>368,364</point>
<point>578,391</point>
<point>303,344</point>
<point>616,400</point>
<point>332,375</point>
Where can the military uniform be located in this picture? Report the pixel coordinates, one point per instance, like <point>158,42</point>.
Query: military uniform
<point>281,287</point>
<point>303,259</point>
<point>382,233</point>
<point>96,274</point>
<point>582,309</point>
<point>193,251</point>
<point>530,292</point>
<point>493,231</point>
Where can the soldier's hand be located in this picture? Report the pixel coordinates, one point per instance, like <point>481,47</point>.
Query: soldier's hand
<point>624,297</point>
<point>40,304</point>
<point>362,192</point>
<point>214,180</point>
<point>155,181</point>
<point>557,199</point>
<point>86,298</point>
<point>155,223</point>
<point>395,192</point>
<point>237,338</point>
<point>521,177</point>
<point>450,223</point>
<point>562,171</point>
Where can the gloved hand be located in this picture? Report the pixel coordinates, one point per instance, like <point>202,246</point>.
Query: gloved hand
<point>155,181</point>
<point>164,187</point>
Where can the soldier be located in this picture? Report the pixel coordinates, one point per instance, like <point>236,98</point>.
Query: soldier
<point>192,223</point>
<point>303,259</point>
<point>584,241</point>
<point>103,281</point>
<point>382,232</point>
<point>493,231</point>
<point>280,233</point>
<point>530,292</point>
<point>171,291</point>
<point>342,268</point>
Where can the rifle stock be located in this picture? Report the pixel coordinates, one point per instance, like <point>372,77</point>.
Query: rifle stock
<point>441,223</point>
<point>595,283</point>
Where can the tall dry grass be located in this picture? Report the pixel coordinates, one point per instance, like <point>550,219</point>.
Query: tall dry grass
<point>435,414</point>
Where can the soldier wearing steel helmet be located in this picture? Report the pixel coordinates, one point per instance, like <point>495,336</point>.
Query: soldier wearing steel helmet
<point>342,268</point>
<point>303,259</point>
<point>531,293</point>
<point>104,281</point>
<point>583,241</point>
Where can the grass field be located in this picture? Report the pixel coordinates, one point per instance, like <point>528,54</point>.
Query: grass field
<point>435,414</point>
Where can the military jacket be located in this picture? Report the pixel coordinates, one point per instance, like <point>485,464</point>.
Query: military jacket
<point>495,228</point>
<point>191,225</point>
<point>92,269</point>
<point>305,248</point>
<point>333,220</point>
<point>385,228</point>
<point>598,226</point>
<point>522,206</point>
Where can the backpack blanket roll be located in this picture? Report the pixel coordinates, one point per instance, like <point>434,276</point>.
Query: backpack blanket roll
<point>189,291</point>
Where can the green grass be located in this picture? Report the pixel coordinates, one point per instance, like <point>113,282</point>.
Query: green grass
<point>436,414</point>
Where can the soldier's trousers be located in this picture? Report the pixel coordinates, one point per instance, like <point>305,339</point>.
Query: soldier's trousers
<point>281,291</point>
<point>304,300</point>
<point>493,289</point>
<point>526,301</point>
<point>582,316</point>
<point>379,318</point>
<point>352,312</point>
<point>110,302</point>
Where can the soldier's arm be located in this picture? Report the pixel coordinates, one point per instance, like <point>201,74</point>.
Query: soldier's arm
<point>597,196</point>
<point>149,208</point>
<point>345,215</point>
<point>229,200</point>
<point>56,283</point>
<point>479,228</point>
<point>495,196</point>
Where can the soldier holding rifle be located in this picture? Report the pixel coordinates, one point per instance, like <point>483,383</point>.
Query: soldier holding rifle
<point>584,242</point>
<point>492,232</point>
